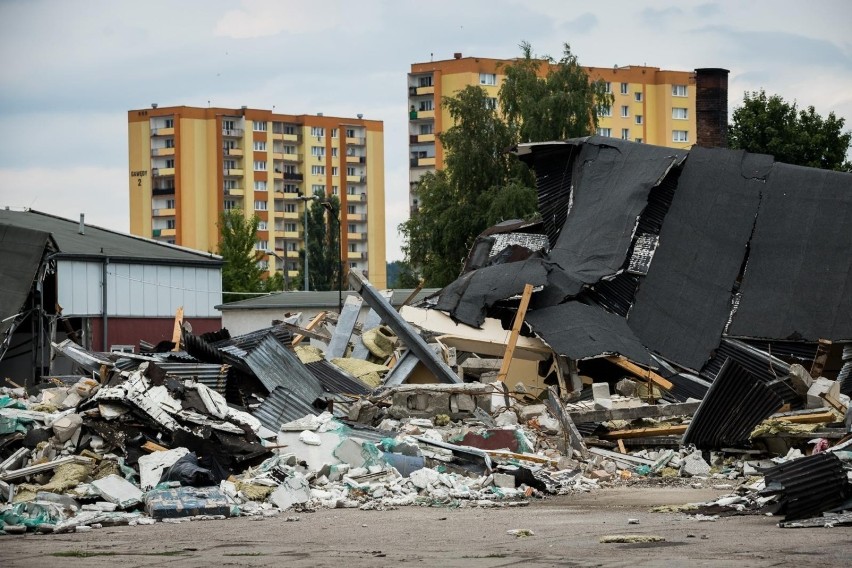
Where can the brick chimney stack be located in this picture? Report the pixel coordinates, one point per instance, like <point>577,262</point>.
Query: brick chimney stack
<point>711,107</point>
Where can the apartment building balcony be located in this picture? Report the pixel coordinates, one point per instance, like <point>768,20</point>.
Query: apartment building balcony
<point>356,217</point>
<point>163,190</point>
<point>430,90</point>
<point>356,255</point>
<point>425,138</point>
<point>233,171</point>
<point>163,131</point>
<point>233,152</point>
<point>162,151</point>
<point>289,214</point>
<point>293,177</point>
<point>356,198</point>
<point>291,234</point>
<point>355,159</point>
<point>234,192</point>
<point>289,137</point>
<point>287,157</point>
<point>232,132</point>
<point>354,179</point>
<point>420,114</point>
<point>422,162</point>
<point>162,172</point>
<point>163,232</point>
<point>356,236</point>
<point>163,212</point>
<point>356,140</point>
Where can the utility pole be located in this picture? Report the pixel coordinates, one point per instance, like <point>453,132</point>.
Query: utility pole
<point>305,199</point>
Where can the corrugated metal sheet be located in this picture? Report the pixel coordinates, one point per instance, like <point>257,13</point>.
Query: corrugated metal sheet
<point>643,252</point>
<point>809,485</point>
<point>211,375</point>
<point>284,405</point>
<point>845,374</point>
<point>736,402</point>
<point>249,341</point>
<point>277,366</point>
<point>334,380</point>
<point>616,295</point>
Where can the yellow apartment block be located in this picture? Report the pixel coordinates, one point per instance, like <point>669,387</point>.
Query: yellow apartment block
<point>651,105</point>
<point>188,165</point>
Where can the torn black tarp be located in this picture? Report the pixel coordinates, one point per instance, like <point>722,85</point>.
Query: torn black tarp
<point>684,302</point>
<point>468,299</point>
<point>798,280</point>
<point>21,254</point>
<point>612,180</point>
<point>581,332</point>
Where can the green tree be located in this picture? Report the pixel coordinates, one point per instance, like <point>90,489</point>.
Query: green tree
<point>237,239</point>
<point>770,125</point>
<point>323,244</point>
<point>402,275</point>
<point>455,204</point>
<point>544,99</point>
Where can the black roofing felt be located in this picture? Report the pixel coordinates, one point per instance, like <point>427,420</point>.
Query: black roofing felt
<point>798,280</point>
<point>467,299</point>
<point>683,303</point>
<point>581,332</point>
<point>98,242</point>
<point>21,252</point>
<point>611,186</point>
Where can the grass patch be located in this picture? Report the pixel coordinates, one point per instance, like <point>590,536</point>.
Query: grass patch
<point>80,554</point>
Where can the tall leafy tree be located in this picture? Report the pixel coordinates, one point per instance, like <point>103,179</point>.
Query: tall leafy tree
<point>455,203</point>
<point>771,125</point>
<point>545,99</point>
<point>482,183</point>
<point>323,244</point>
<point>237,239</point>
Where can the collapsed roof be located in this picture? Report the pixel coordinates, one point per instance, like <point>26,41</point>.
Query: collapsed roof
<point>670,251</point>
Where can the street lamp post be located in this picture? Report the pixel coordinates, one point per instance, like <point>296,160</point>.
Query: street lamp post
<point>330,209</point>
<point>305,200</point>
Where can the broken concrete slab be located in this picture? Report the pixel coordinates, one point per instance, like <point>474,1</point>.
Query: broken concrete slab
<point>118,490</point>
<point>292,491</point>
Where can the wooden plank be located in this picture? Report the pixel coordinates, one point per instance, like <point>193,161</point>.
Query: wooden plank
<point>821,357</point>
<point>313,323</point>
<point>150,446</point>
<point>820,417</point>
<point>621,447</point>
<point>573,439</point>
<point>411,296</point>
<point>516,330</point>
<point>645,432</point>
<point>638,371</point>
<point>176,329</point>
<point>652,411</point>
<point>838,406</point>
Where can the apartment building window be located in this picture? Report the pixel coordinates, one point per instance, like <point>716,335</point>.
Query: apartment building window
<point>488,79</point>
<point>606,111</point>
<point>259,126</point>
<point>334,132</point>
<point>625,134</point>
<point>170,203</point>
<point>228,144</point>
<point>680,136</point>
<point>352,228</point>
<point>290,188</point>
<point>290,169</point>
<point>317,131</point>
<point>350,209</point>
<point>335,171</point>
<point>289,208</point>
<point>350,133</point>
<point>229,204</point>
<point>289,150</point>
<point>259,146</point>
<point>350,190</point>
<point>318,170</point>
<point>678,90</point>
<point>262,244</point>
<point>424,81</point>
<point>639,119</point>
<point>334,152</point>
<point>353,247</point>
<point>334,190</point>
<point>625,111</point>
<point>170,142</point>
<point>169,123</point>
<point>317,150</point>
<point>639,140</point>
<point>426,105</point>
<point>679,113</point>
<point>230,164</point>
<point>260,165</point>
<point>637,96</point>
<point>317,188</point>
<point>260,185</point>
<point>350,171</point>
<point>427,128</point>
<point>289,227</point>
<point>289,129</point>
<point>491,103</point>
<point>170,163</point>
<point>604,131</point>
<point>170,223</point>
<point>262,226</point>
<point>292,247</point>
<point>625,88</point>
<point>260,205</point>
<point>607,87</point>
<point>228,125</point>
<point>229,184</point>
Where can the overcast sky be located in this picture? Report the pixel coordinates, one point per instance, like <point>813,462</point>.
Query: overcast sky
<point>72,69</point>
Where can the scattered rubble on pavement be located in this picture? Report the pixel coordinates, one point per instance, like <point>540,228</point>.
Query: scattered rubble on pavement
<point>522,379</point>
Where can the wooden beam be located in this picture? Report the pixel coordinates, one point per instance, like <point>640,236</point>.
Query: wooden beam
<point>817,417</point>
<point>176,329</point>
<point>313,323</point>
<point>621,447</point>
<point>677,429</point>
<point>646,374</point>
<point>411,296</point>
<point>516,330</point>
<point>821,357</point>
<point>306,332</point>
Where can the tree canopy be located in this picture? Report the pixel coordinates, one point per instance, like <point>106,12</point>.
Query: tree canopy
<point>482,183</point>
<point>770,125</point>
<point>237,239</point>
<point>323,244</point>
